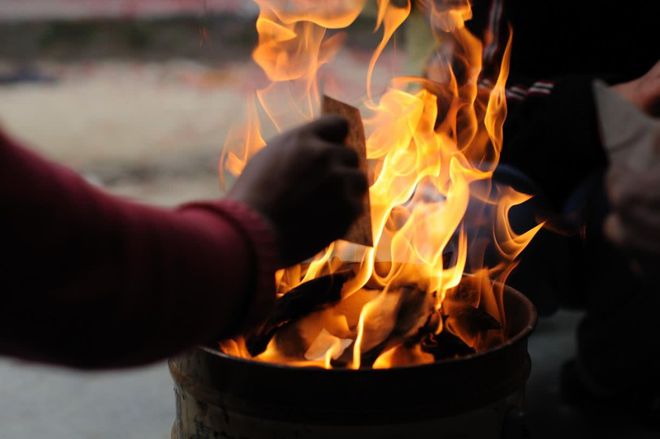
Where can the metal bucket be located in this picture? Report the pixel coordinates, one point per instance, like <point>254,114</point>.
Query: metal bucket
<point>472,397</point>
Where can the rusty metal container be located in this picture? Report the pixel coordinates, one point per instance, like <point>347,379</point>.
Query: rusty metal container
<point>472,397</point>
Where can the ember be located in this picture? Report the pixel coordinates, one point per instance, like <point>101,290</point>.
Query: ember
<point>425,291</point>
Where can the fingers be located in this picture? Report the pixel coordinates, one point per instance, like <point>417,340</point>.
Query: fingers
<point>629,190</point>
<point>347,157</point>
<point>356,186</point>
<point>649,91</point>
<point>634,223</point>
<point>350,190</point>
<point>341,200</point>
<point>326,142</point>
<point>345,187</point>
<point>332,154</point>
<point>632,237</point>
<point>655,70</point>
<point>644,92</point>
<point>636,226</point>
<point>329,128</point>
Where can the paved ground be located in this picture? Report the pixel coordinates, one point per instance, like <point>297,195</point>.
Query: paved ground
<point>551,345</point>
<point>37,402</point>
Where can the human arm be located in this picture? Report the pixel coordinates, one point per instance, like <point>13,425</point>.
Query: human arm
<point>634,185</point>
<point>92,281</point>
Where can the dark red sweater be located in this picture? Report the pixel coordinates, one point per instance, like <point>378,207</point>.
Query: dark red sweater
<point>93,281</point>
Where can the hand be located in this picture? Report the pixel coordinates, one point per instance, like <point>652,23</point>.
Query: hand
<point>644,92</point>
<point>306,182</point>
<point>634,223</point>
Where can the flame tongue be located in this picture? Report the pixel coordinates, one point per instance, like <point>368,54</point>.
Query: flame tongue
<point>435,213</point>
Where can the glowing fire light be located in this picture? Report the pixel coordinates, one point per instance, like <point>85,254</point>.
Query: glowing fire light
<point>432,148</point>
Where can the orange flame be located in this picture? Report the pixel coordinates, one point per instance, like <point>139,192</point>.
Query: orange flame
<point>432,147</point>
<point>390,17</point>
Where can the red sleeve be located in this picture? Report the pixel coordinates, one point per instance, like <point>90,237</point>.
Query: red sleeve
<point>89,280</point>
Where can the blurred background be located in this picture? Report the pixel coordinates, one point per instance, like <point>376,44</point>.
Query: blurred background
<point>138,96</point>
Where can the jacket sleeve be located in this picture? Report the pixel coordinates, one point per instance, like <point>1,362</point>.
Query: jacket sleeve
<point>92,281</point>
<point>551,134</point>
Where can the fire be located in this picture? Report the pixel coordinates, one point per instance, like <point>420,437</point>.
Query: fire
<point>432,149</point>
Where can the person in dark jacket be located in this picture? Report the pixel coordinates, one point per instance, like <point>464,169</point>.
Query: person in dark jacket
<point>606,258</point>
<point>89,280</point>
